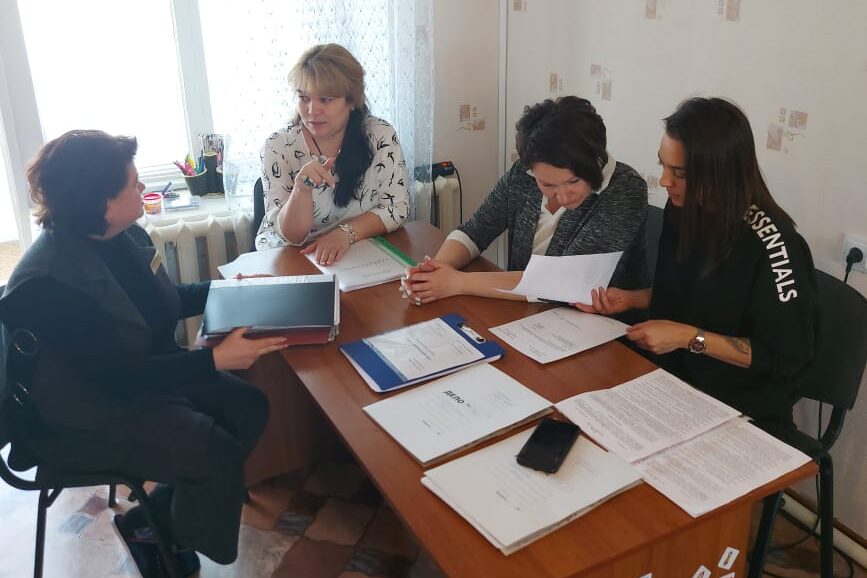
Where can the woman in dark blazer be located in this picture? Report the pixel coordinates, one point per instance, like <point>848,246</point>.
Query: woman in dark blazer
<point>565,195</point>
<point>112,390</point>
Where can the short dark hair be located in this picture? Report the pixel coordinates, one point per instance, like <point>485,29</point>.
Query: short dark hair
<point>723,178</point>
<point>73,176</point>
<point>566,133</point>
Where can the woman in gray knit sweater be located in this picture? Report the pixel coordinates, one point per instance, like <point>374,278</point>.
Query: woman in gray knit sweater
<point>566,195</point>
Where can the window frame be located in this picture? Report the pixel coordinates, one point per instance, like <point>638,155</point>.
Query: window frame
<point>19,113</point>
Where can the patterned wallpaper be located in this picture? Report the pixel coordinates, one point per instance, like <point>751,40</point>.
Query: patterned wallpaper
<point>797,68</point>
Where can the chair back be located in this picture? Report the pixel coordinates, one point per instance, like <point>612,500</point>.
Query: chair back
<point>835,375</point>
<point>653,230</point>
<point>258,209</point>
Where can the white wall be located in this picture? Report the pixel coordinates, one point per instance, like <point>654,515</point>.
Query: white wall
<point>636,60</point>
<point>466,52</point>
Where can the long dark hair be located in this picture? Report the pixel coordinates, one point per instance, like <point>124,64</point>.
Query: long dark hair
<point>565,133</point>
<point>331,69</point>
<point>723,178</point>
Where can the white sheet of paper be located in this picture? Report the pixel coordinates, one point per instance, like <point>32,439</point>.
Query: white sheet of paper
<point>251,263</point>
<point>719,466</point>
<point>453,412</point>
<point>424,348</point>
<point>364,265</point>
<point>512,505</point>
<point>568,279</point>
<point>558,333</point>
<point>645,415</point>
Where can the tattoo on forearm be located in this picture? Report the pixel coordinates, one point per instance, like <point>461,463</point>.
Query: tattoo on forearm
<point>741,344</point>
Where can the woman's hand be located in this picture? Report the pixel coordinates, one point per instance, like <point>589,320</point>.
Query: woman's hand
<point>660,336</point>
<point>329,248</point>
<point>613,300</point>
<point>238,352</point>
<point>431,280</point>
<point>313,174</point>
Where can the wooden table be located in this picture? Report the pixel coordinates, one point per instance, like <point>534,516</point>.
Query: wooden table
<point>632,535</point>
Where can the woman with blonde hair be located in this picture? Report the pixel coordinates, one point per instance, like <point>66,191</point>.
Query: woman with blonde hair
<point>336,174</point>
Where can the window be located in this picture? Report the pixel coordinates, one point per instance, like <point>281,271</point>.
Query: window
<point>165,71</point>
<point>130,84</point>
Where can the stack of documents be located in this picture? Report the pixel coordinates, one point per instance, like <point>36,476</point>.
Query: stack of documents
<point>304,308</point>
<point>513,506</point>
<point>367,263</point>
<point>419,352</point>
<point>452,413</point>
<point>692,448</point>
<point>558,333</point>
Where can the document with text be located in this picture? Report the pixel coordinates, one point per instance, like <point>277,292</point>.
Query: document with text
<point>558,333</point>
<point>444,416</point>
<point>645,415</point>
<point>367,263</point>
<point>512,506</point>
<point>711,470</point>
<point>694,449</point>
<point>569,278</point>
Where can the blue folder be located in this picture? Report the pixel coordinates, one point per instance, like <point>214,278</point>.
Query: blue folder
<point>382,376</point>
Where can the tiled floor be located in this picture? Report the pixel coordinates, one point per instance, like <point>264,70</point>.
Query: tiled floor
<point>329,524</point>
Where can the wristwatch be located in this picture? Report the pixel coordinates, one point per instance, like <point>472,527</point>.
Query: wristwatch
<point>350,232</point>
<point>697,344</point>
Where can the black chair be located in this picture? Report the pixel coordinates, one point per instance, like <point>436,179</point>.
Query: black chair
<point>258,210</point>
<point>833,378</point>
<point>18,354</point>
<point>653,230</point>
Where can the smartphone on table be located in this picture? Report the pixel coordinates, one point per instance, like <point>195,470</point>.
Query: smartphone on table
<point>548,445</point>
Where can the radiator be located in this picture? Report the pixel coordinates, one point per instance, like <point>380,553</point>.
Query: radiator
<point>445,210</point>
<point>192,250</point>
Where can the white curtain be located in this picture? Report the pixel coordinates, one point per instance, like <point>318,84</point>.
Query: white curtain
<point>250,47</point>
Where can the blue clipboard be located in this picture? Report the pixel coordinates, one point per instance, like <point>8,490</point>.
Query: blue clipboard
<point>381,376</point>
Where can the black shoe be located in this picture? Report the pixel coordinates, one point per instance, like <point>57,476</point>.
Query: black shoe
<point>142,547</point>
<point>144,553</point>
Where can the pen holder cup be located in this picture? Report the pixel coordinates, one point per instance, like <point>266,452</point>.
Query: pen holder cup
<point>198,184</point>
<point>215,175</point>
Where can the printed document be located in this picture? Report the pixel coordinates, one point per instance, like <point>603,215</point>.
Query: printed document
<point>423,349</point>
<point>558,333</point>
<point>568,279</point>
<point>648,414</point>
<point>513,506</point>
<point>454,412</point>
<point>251,263</point>
<point>719,466</point>
<point>365,264</point>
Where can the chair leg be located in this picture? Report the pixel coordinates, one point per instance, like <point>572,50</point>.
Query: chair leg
<point>826,516</point>
<point>41,513</point>
<point>763,535</point>
<point>165,550</point>
<point>112,495</point>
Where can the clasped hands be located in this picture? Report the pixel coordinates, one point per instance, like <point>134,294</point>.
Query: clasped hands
<point>430,280</point>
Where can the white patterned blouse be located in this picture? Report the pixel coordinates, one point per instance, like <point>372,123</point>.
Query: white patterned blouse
<point>384,188</point>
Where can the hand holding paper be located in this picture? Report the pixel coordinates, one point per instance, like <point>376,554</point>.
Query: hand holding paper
<point>569,279</point>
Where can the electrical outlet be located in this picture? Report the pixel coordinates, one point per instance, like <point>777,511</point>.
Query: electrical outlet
<point>850,241</point>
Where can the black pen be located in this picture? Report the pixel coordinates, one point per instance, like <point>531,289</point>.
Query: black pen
<point>552,302</point>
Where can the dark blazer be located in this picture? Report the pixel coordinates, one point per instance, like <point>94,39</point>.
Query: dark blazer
<point>73,384</point>
<point>611,220</point>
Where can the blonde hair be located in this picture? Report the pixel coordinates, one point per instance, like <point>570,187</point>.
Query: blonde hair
<point>330,70</point>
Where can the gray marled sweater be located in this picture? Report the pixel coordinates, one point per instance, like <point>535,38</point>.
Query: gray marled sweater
<point>611,220</point>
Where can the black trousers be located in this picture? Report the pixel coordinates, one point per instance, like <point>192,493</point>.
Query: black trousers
<point>196,443</point>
